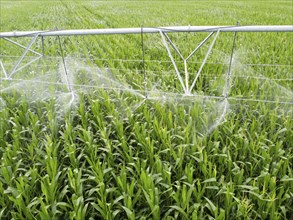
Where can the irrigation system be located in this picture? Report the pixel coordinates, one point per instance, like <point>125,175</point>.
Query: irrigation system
<point>149,30</point>
<point>212,33</point>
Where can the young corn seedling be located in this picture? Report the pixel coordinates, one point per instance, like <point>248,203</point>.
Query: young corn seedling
<point>79,208</point>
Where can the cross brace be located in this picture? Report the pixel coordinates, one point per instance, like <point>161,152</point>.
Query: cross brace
<point>27,48</point>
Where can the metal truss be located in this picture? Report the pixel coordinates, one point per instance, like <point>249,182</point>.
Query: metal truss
<point>163,31</point>
<point>185,85</point>
<point>17,66</point>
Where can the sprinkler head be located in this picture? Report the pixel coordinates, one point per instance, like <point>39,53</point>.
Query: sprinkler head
<point>187,93</point>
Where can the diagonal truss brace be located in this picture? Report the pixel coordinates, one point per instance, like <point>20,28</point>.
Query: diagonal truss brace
<point>204,61</point>
<point>27,49</point>
<point>2,67</point>
<point>185,85</point>
<point>173,61</point>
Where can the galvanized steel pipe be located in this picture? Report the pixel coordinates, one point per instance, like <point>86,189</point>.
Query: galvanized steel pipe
<point>148,30</point>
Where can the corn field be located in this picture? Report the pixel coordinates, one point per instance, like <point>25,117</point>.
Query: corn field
<point>113,154</point>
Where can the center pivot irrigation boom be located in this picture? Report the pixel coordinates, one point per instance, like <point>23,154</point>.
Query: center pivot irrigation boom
<point>163,31</point>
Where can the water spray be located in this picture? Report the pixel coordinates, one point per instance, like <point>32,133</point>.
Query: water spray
<point>214,107</point>
<point>66,74</point>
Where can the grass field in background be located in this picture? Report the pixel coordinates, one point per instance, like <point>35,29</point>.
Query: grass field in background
<point>114,155</point>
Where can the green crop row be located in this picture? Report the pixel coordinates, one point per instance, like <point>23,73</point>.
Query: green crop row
<point>115,154</point>
<point>101,162</point>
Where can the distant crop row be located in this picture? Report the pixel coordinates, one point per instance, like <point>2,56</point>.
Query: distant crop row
<point>146,151</point>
